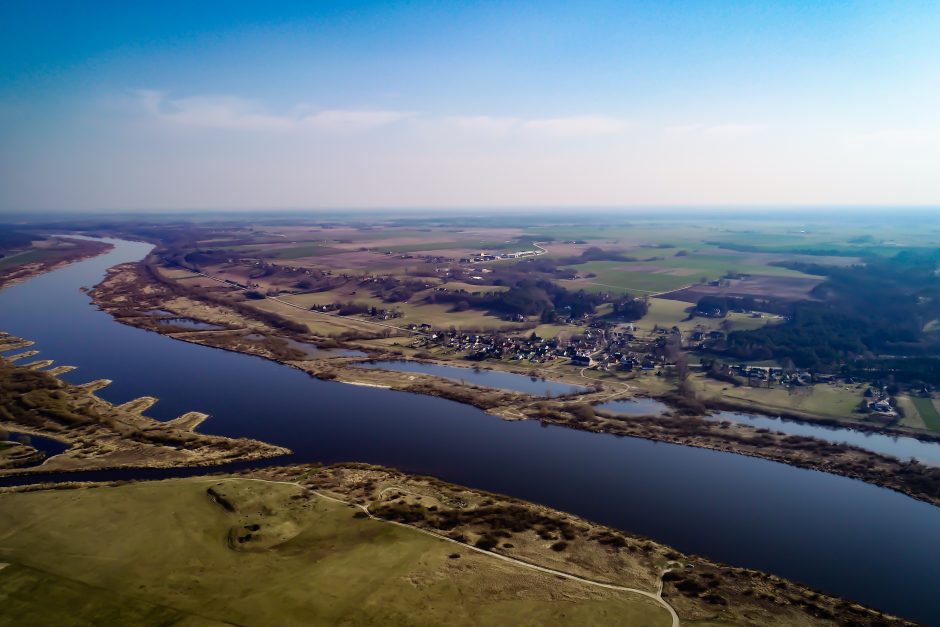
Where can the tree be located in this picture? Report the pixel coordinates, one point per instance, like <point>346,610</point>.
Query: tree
<point>682,367</point>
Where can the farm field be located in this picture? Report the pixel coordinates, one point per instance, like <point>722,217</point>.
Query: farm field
<point>615,277</point>
<point>27,256</point>
<point>322,325</point>
<point>834,401</point>
<point>438,316</point>
<point>927,412</point>
<point>779,288</point>
<point>718,265</point>
<point>674,313</point>
<point>36,251</point>
<point>173,555</point>
<point>658,275</point>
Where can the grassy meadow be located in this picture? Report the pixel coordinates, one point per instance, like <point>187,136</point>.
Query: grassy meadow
<point>170,553</point>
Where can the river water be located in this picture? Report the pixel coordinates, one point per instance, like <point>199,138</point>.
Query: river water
<point>843,536</point>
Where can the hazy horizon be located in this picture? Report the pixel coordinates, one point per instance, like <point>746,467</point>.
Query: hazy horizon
<point>468,106</point>
<point>805,214</point>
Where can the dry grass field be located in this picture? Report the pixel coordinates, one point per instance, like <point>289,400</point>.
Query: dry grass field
<point>257,553</point>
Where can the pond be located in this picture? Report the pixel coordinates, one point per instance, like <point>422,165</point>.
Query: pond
<point>897,446</point>
<point>46,445</point>
<point>533,385</point>
<point>190,323</point>
<point>636,406</point>
<point>311,350</point>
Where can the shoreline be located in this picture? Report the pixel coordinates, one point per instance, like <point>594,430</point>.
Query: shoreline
<point>916,480</point>
<point>104,436</point>
<point>533,537</point>
<point>27,271</point>
<point>433,386</point>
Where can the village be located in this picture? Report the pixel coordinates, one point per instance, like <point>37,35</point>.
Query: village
<point>591,342</point>
<point>619,349</point>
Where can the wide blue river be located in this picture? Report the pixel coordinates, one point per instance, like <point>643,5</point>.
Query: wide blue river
<point>843,536</point>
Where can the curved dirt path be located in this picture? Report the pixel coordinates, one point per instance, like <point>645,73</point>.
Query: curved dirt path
<point>655,596</point>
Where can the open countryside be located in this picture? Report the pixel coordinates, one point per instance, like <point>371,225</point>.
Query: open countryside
<point>440,313</point>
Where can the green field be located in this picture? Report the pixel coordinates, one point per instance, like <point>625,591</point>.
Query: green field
<point>715,266</point>
<point>165,553</point>
<point>834,401</point>
<point>307,250</point>
<point>674,313</point>
<point>612,277</point>
<point>928,412</point>
<point>669,272</point>
<point>437,315</point>
<point>476,245</point>
<point>29,256</point>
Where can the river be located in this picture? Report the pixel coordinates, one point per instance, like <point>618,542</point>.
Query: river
<point>843,536</point>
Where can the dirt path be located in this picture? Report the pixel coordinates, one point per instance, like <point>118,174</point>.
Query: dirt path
<point>625,386</point>
<point>655,596</point>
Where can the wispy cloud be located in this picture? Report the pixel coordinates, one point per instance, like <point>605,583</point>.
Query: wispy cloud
<point>715,130</point>
<point>731,130</point>
<point>898,136</point>
<point>577,126</point>
<point>234,113</point>
<point>341,119</point>
<point>485,123</point>
<point>568,127</point>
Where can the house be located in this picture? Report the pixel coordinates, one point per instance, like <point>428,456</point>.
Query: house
<point>582,360</point>
<point>882,406</point>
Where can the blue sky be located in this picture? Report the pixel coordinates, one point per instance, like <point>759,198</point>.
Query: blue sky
<point>468,104</point>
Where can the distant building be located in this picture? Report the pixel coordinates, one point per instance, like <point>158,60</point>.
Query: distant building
<point>582,360</point>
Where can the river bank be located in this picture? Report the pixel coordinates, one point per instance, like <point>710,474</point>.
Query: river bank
<point>493,533</point>
<point>77,250</point>
<point>737,509</point>
<point>129,293</point>
<point>100,435</point>
<point>697,588</point>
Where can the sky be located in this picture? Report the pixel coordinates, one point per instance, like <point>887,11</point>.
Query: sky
<point>248,105</point>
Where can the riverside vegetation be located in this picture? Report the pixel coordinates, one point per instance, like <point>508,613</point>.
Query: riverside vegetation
<point>270,526</point>
<point>130,291</point>
<point>361,544</point>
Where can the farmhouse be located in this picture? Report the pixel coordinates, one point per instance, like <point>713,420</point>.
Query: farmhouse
<point>582,360</point>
